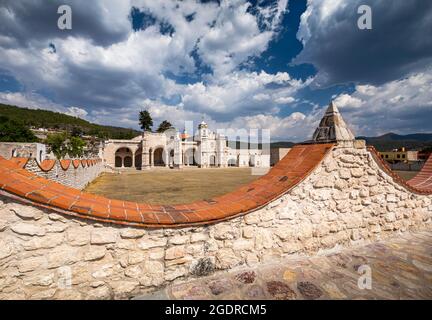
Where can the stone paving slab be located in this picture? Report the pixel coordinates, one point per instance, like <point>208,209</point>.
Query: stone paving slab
<point>401,268</point>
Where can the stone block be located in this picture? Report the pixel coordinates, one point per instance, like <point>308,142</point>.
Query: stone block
<point>103,236</point>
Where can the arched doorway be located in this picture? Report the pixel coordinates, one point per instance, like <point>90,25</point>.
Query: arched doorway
<point>123,158</point>
<point>171,158</point>
<point>138,159</point>
<point>189,157</point>
<point>251,161</point>
<point>127,161</point>
<point>232,162</point>
<point>212,161</point>
<point>158,157</point>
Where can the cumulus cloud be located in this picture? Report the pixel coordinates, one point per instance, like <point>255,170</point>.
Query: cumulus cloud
<point>395,47</point>
<point>294,127</point>
<point>190,59</point>
<point>77,112</point>
<point>242,93</point>
<point>31,22</point>
<point>401,106</point>
<point>106,66</point>
<point>30,100</point>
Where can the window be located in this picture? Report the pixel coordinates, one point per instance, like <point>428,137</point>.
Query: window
<point>403,156</point>
<point>398,156</point>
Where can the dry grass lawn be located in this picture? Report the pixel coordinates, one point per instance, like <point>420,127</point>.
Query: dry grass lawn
<point>165,186</point>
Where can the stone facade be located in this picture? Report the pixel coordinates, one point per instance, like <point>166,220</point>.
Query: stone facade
<point>345,201</point>
<point>173,149</point>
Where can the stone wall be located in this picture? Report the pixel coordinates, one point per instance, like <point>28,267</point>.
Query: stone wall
<point>346,200</point>
<point>76,177</point>
<point>23,149</point>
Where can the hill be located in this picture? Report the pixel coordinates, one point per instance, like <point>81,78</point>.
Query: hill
<point>54,120</point>
<point>282,144</point>
<point>386,142</point>
<point>390,141</point>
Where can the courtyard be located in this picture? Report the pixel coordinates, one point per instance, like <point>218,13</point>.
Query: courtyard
<point>170,186</point>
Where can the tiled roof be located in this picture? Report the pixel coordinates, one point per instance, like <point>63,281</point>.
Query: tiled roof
<point>287,173</point>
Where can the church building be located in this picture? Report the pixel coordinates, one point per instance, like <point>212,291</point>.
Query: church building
<point>176,150</point>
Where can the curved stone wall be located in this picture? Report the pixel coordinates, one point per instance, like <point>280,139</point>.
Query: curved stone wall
<point>344,198</point>
<point>299,162</point>
<point>72,173</point>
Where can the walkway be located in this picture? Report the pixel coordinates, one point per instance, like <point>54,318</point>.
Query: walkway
<point>401,268</point>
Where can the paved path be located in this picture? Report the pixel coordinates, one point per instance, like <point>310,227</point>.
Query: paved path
<point>401,268</point>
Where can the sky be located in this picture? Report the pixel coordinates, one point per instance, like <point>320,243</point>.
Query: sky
<point>236,64</point>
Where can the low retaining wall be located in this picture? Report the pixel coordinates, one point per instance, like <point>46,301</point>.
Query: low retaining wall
<point>401,166</point>
<point>347,199</point>
<point>72,173</point>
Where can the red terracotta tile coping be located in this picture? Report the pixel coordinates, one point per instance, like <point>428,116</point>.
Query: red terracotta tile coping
<point>75,163</point>
<point>65,164</point>
<point>24,186</point>
<point>46,165</point>
<point>420,184</point>
<point>423,179</point>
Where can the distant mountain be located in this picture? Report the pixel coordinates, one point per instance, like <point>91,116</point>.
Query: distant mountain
<point>386,142</point>
<point>54,120</point>
<point>390,141</point>
<point>282,144</point>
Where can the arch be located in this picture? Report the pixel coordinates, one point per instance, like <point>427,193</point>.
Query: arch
<point>127,162</point>
<point>118,161</point>
<point>251,161</point>
<point>120,155</point>
<point>138,158</point>
<point>171,157</point>
<point>212,161</point>
<point>189,157</point>
<point>232,162</point>
<point>158,156</point>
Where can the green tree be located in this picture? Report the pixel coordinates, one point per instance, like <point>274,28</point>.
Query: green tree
<point>76,132</point>
<point>76,147</point>
<point>57,143</point>
<point>61,144</point>
<point>14,131</point>
<point>145,120</point>
<point>164,126</point>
